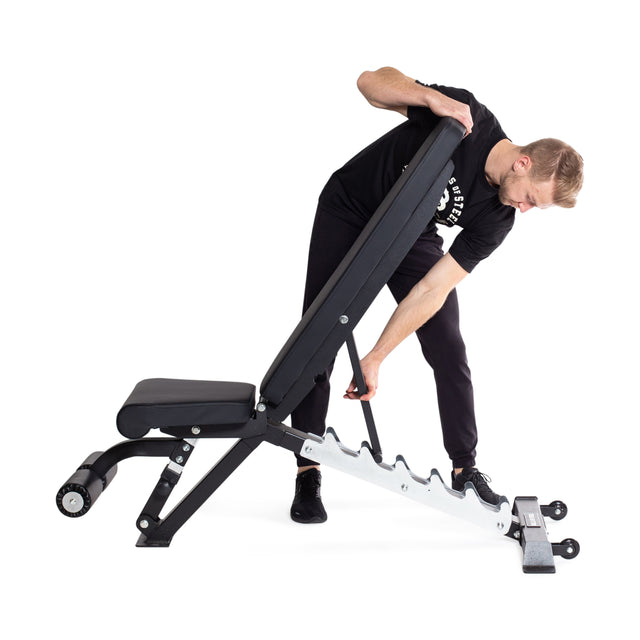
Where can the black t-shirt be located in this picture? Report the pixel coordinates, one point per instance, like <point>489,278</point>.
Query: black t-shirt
<point>469,201</point>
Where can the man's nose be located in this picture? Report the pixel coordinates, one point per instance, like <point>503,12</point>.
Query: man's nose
<point>523,206</point>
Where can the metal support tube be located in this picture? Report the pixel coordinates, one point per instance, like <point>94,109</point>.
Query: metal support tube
<point>161,535</point>
<point>376,450</point>
<point>146,447</point>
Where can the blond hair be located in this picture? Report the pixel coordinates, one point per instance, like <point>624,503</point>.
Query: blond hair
<point>555,160</point>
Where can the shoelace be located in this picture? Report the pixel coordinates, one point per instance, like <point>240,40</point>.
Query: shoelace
<point>310,484</point>
<point>479,481</point>
<point>481,476</point>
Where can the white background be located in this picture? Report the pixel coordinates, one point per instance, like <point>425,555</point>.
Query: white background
<point>160,164</point>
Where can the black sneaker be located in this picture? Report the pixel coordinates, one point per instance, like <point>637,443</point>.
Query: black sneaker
<point>478,480</point>
<point>307,505</point>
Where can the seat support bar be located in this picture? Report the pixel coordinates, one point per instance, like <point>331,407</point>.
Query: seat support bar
<point>160,534</point>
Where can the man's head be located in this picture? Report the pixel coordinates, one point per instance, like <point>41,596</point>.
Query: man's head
<point>546,172</point>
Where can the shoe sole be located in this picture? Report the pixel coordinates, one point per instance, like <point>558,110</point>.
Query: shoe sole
<point>314,520</point>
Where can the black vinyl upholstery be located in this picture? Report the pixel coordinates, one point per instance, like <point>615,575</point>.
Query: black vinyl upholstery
<point>165,402</point>
<point>225,408</point>
<point>366,268</point>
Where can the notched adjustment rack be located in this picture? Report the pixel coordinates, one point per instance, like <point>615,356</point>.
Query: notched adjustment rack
<point>400,479</point>
<point>525,523</point>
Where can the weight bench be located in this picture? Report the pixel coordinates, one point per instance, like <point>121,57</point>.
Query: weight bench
<point>187,410</point>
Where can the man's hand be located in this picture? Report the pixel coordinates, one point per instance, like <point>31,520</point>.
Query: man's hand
<point>370,365</point>
<point>442,106</point>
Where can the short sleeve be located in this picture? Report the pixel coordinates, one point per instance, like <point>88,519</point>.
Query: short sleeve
<point>474,244</point>
<point>422,116</point>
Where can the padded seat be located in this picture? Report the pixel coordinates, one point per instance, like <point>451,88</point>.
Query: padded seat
<point>164,402</point>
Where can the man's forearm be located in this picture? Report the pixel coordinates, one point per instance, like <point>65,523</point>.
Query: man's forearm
<point>418,307</point>
<point>388,88</point>
<point>422,302</point>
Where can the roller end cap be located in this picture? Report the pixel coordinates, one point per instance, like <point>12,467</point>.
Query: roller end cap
<point>73,500</point>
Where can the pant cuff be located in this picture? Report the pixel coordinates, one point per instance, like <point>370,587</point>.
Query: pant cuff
<point>464,463</point>
<point>304,462</point>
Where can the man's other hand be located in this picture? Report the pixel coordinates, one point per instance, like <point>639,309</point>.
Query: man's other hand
<point>370,367</point>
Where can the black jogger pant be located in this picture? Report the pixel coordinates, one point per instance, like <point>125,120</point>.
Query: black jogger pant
<point>442,345</point>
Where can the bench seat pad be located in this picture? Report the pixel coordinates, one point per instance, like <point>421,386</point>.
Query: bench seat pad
<point>165,402</point>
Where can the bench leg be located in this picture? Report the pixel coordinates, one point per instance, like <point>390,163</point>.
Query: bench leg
<point>530,531</point>
<point>160,533</point>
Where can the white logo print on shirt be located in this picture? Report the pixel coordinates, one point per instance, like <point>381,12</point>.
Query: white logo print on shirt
<point>446,201</point>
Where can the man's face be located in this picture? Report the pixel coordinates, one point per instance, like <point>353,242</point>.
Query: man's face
<point>518,190</point>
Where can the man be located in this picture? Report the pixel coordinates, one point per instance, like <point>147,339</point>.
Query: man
<point>492,177</point>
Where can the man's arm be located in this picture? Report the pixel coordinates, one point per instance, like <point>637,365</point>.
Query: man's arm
<point>422,302</point>
<point>388,88</point>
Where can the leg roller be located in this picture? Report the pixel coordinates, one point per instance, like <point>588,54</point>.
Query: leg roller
<point>79,493</point>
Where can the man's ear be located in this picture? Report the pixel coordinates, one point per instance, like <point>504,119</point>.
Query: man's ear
<point>522,165</point>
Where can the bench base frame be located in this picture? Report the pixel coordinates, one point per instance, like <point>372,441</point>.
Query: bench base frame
<point>524,523</point>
